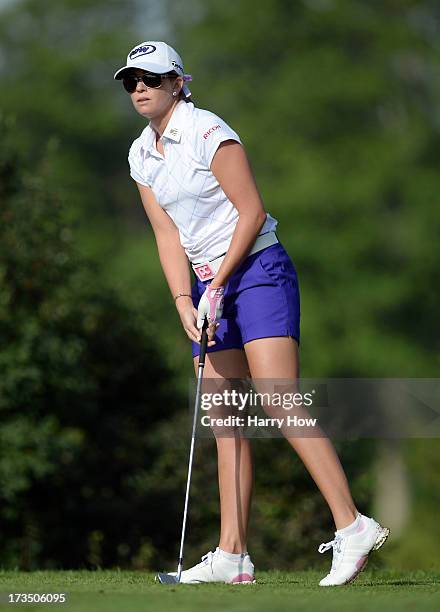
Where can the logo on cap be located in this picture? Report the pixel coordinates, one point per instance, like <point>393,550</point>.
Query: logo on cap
<point>142,51</point>
<point>176,65</point>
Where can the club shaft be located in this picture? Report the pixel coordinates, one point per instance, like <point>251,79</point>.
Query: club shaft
<point>191,451</point>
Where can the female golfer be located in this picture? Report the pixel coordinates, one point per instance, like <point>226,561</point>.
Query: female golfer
<point>201,199</point>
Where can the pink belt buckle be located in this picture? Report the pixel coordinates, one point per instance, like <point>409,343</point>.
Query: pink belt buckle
<point>204,271</point>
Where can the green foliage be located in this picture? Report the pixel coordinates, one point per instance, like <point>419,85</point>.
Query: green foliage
<point>57,79</point>
<point>420,544</point>
<point>337,104</point>
<point>81,387</point>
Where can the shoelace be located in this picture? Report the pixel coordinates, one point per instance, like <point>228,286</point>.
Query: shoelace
<point>207,559</point>
<point>336,545</point>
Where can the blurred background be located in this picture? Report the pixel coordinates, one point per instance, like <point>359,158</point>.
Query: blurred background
<point>338,105</point>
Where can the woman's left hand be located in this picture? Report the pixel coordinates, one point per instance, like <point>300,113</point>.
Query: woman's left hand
<point>210,305</point>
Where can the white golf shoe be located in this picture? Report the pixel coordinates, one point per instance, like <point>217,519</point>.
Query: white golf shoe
<point>218,567</point>
<point>350,552</point>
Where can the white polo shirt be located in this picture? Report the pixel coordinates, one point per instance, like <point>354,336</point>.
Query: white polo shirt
<point>183,183</point>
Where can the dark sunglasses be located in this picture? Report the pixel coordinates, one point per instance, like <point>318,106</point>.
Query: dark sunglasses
<point>149,80</point>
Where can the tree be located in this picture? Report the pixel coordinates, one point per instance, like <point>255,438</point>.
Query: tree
<point>57,80</point>
<point>337,105</point>
<point>82,387</point>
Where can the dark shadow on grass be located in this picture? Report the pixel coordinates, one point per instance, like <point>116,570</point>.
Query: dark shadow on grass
<point>278,581</point>
<point>373,583</point>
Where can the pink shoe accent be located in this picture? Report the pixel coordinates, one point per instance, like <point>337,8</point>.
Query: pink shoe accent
<point>362,561</point>
<point>360,527</point>
<point>243,578</point>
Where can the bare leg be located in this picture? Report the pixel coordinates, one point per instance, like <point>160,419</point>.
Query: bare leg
<point>235,474</point>
<point>278,358</point>
<point>235,484</point>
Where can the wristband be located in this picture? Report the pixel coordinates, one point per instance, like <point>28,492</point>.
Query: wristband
<point>181,295</point>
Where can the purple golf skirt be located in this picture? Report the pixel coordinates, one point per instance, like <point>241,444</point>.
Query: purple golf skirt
<point>261,300</point>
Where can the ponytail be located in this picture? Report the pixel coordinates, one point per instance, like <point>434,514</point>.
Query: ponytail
<point>185,98</point>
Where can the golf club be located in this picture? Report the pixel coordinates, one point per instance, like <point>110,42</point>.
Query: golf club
<point>165,578</point>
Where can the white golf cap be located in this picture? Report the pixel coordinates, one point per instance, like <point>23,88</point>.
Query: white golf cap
<point>157,57</point>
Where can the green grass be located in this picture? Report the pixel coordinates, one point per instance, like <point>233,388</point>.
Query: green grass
<point>275,592</point>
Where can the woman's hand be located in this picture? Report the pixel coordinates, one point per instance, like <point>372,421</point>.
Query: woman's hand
<point>188,316</point>
<point>210,305</point>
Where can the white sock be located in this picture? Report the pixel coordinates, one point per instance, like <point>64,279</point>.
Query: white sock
<point>352,528</point>
<point>231,556</point>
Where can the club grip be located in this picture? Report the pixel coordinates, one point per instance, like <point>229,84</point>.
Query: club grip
<point>204,342</point>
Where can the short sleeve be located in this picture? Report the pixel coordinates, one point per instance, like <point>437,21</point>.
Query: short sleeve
<point>210,132</point>
<point>134,161</point>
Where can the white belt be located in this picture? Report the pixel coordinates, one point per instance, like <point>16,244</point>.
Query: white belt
<point>208,269</point>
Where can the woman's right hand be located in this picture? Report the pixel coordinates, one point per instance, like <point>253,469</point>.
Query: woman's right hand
<point>188,316</point>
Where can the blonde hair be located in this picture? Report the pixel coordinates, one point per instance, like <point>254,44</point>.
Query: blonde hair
<point>181,94</point>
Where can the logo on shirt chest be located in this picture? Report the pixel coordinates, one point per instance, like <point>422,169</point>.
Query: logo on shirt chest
<point>209,132</point>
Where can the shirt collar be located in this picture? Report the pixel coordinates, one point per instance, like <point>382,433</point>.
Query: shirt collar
<point>173,130</point>
<point>175,125</point>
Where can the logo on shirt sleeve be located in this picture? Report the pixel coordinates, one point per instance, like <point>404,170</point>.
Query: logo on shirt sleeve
<point>211,130</point>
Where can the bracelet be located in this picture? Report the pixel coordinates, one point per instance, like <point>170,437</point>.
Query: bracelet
<point>182,294</point>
